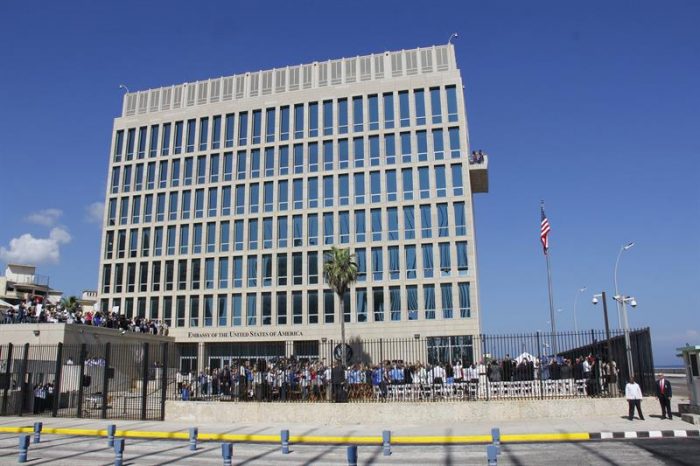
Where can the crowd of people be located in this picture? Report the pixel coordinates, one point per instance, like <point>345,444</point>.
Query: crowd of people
<point>309,380</point>
<point>27,312</point>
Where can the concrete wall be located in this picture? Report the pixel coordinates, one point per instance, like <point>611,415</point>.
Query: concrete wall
<point>438,413</point>
<point>69,334</point>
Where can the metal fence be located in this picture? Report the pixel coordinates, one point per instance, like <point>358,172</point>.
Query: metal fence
<point>133,381</point>
<point>85,381</point>
<point>482,367</point>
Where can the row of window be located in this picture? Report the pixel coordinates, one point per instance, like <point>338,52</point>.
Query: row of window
<point>306,193</point>
<point>297,121</point>
<point>276,161</point>
<point>375,304</point>
<point>374,264</point>
<point>306,230</point>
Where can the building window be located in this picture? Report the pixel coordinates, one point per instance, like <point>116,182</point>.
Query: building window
<point>359,188</point>
<point>196,274</point>
<point>284,123</point>
<point>394,267</point>
<point>252,271</point>
<point>451,103</point>
<point>409,223</point>
<point>312,303</point>
<point>373,104</point>
<point>395,302</point>
<point>427,260</point>
<point>374,154</point>
<point>328,236</point>
<point>445,259</point>
<point>253,234</point>
<point>243,128</point>
<point>422,145</point>
<point>282,311</point>
<point>419,99</point>
<point>360,226</point>
<point>435,107</point>
<point>194,311</point>
<point>429,301</point>
<point>361,304</point>
<point>222,310</point>
<point>378,303</point>
<point>237,310</point>
<point>251,309</point>
<point>282,232</point>
<point>462,258</point>
<point>388,110</point>
<point>460,219</point>
<point>377,229</point>
<point>446,292</point>
<point>424,182</point>
<point>404,112</point>
<point>312,274</point>
<point>267,270</point>
<point>203,133</point>
<point>357,114</point>
<point>390,148</point>
<point>223,273</point>
<point>438,144</point>
<point>443,221</point>
<point>328,306</point>
<point>282,269</point>
<point>410,262</point>
<point>327,117</point>
<point>257,126</point>
<point>208,274</point>
<point>426,222</point>
<point>270,125</point>
<point>344,227</point>
<point>377,264</point>
<point>455,152</point>
<point>361,260</point>
<point>238,272</point>
<point>297,269</point>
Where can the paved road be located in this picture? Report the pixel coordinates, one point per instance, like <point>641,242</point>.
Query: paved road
<point>79,451</point>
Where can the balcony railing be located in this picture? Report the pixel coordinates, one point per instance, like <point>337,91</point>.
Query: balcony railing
<point>36,279</point>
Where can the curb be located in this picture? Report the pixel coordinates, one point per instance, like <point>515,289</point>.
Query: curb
<point>368,440</point>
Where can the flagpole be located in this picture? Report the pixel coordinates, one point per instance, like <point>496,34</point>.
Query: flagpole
<point>551,306</point>
<point>544,237</point>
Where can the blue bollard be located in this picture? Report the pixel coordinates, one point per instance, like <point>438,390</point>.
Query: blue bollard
<point>496,436</point>
<point>193,438</point>
<point>492,452</point>
<point>352,455</point>
<point>23,448</point>
<point>37,431</point>
<point>386,442</point>
<point>284,436</point>
<point>227,453</point>
<point>111,431</point>
<point>119,452</point>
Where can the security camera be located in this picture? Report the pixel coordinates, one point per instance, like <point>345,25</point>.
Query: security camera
<point>633,303</point>
<point>595,300</point>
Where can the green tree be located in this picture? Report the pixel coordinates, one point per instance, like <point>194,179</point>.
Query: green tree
<point>70,303</point>
<point>340,270</point>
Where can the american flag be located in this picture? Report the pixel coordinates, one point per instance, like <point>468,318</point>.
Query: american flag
<point>544,231</point>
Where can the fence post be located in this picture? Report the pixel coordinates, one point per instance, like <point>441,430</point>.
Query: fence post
<point>284,437</point>
<point>386,442</point>
<point>227,453</point>
<point>105,381</point>
<point>23,379</point>
<point>37,431</point>
<point>352,455</point>
<point>144,382</point>
<point>57,381</point>
<point>8,373</point>
<point>81,379</point>
<point>118,452</point>
<point>164,379</point>
<point>111,431</point>
<point>539,366</point>
<point>23,448</point>
<point>193,438</point>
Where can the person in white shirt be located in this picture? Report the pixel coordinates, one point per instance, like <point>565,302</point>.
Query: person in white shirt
<point>634,399</point>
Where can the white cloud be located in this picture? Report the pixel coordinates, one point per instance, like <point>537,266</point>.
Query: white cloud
<point>46,217</point>
<point>95,212</point>
<point>27,249</point>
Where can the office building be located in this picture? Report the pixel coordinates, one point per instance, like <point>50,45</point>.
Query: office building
<point>224,194</point>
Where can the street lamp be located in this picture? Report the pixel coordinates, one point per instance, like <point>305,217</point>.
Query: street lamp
<point>623,301</point>
<point>623,248</point>
<point>605,315</point>
<point>580,290</point>
<point>453,36</point>
<point>122,86</point>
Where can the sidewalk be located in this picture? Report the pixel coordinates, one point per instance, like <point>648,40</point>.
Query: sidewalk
<point>614,426</point>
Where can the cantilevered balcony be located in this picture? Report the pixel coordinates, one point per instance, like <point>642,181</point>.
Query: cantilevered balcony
<point>479,172</point>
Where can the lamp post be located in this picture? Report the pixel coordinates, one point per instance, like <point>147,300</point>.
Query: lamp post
<point>580,290</point>
<point>622,301</point>
<point>605,315</point>
<point>623,248</point>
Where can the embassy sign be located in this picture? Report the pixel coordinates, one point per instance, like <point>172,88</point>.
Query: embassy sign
<point>247,334</point>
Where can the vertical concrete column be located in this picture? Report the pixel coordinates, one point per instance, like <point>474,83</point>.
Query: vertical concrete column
<point>201,356</point>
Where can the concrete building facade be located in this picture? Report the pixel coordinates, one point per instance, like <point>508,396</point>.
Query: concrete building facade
<point>224,195</point>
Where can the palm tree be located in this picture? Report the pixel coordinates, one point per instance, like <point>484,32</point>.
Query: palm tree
<point>340,270</point>
<point>70,303</point>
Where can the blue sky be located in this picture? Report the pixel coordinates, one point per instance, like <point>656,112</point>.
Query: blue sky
<point>593,107</point>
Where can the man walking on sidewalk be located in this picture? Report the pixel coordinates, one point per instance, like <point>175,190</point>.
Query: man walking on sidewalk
<point>664,393</point>
<point>634,398</point>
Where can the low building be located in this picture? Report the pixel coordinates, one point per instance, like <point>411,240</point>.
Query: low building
<point>22,283</point>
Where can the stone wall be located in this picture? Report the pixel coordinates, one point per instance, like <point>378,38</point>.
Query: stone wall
<point>398,413</point>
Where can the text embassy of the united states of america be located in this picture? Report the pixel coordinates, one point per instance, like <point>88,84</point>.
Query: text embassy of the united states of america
<point>249,334</point>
